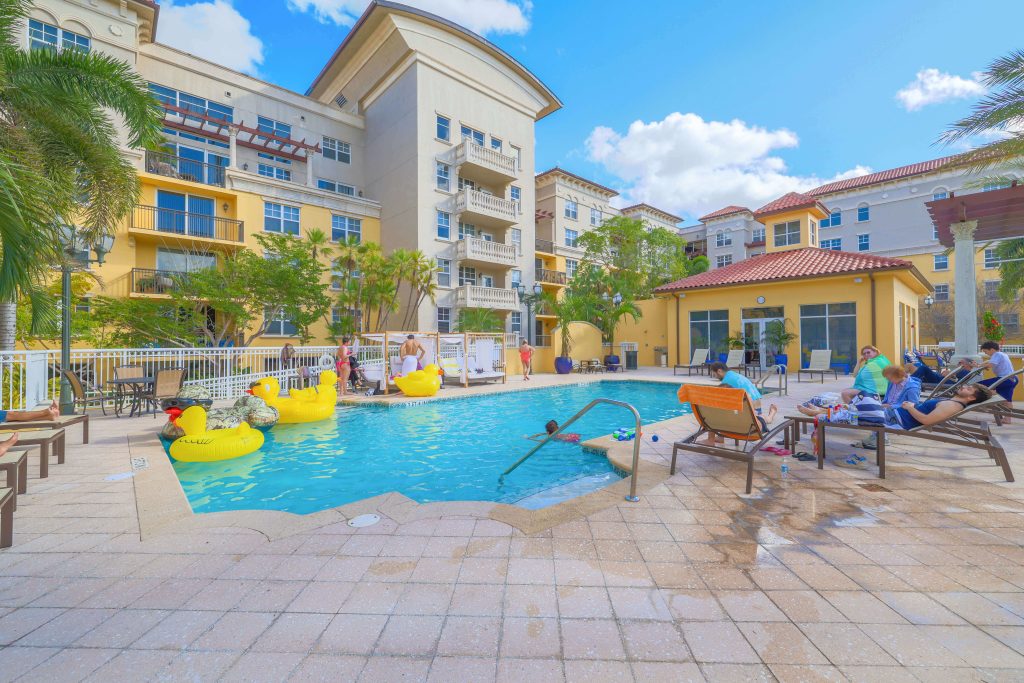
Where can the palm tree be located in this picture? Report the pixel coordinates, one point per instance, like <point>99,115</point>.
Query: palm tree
<point>421,286</point>
<point>479,320</point>
<point>59,157</point>
<point>1000,112</point>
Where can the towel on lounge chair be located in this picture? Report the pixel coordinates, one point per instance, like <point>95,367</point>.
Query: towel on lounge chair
<point>870,379</point>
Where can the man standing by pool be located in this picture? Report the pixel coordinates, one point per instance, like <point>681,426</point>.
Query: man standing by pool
<point>411,352</point>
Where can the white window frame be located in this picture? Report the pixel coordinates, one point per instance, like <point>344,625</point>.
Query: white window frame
<point>336,150</point>
<point>991,260</point>
<point>864,241</point>
<point>475,136</point>
<point>572,238</point>
<point>935,262</point>
<point>444,221</point>
<point>275,172</point>
<point>571,209</point>
<point>596,216</point>
<point>723,260</point>
<point>838,241</point>
<point>571,266</point>
<point>867,209</point>
<point>943,287</point>
<point>444,319</point>
<point>283,214</point>
<point>344,228</point>
<point>723,239</point>
<point>789,234</point>
<point>444,272</point>
<point>447,126</point>
<point>335,187</point>
<point>443,177</point>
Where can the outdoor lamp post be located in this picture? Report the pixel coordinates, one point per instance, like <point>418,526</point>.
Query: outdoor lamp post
<point>529,300</point>
<point>73,247</point>
<point>929,300</point>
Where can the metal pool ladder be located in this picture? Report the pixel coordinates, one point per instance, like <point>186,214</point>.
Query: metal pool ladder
<point>632,497</point>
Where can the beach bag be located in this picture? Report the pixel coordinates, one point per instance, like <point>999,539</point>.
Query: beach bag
<point>869,409</point>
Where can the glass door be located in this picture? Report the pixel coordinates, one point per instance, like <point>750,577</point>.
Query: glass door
<point>200,216</point>
<point>170,214</point>
<point>755,324</point>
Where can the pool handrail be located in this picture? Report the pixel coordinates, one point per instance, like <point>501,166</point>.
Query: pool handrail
<point>632,497</point>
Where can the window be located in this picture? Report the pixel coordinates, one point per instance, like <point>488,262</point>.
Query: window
<point>272,127</point>
<point>279,325</point>
<point>995,186</point>
<point>829,326</point>
<point>935,232</point>
<point>444,319</point>
<point>495,143</point>
<point>444,128</point>
<point>571,237</point>
<point>991,260</point>
<point>723,239</point>
<point>571,210</point>
<point>722,261</point>
<point>709,330</point>
<point>516,322</point>
<point>280,218</point>
<point>516,237</point>
<point>834,219</point>
<point>188,102</point>
<point>571,265</point>
<point>476,136</point>
<point>183,261</point>
<point>787,234</point>
<point>185,214</point>
<point>444,272</point>
<point>339,150</point>
<point>338,188</point>
<point>274,158</point>
<point>467,184</point>
<point>517,278</point>
<point>939,193</point>
<point>1011,322</point>
<point>863,213</point>
<point>515,193</point>
<point>466,230</point>
<point>942,292</point>
<point>444,177</point>
<point>835,244</point>
<point>42,36</point>
<point>863,242</point>
<point>518,154</point>
<point>346,229</point>
<point>467,275</point>
<point>274,172</point>
<point>992,290</point>
<point>596,217</point>
<point>940,262</point>
<point>758,235</point>
<point>444,225</point>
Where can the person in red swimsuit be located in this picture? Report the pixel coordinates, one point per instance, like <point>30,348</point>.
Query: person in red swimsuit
<point>526,357</point>
<point>343,366</point>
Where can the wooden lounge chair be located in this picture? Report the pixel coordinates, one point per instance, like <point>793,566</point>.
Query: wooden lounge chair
<point>6,518</point>
<point>15,463</point>
<point>62,422</point>
<point>820,363</point>
<point>48,440</point>
<point>725,412</point>
<point>698,360</point>
<point>596,365</point>
<point>956,431</point>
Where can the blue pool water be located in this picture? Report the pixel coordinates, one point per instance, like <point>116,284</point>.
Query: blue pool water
<point>434,451</point>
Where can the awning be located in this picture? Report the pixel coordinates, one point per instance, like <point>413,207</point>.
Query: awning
<point>999,213</point>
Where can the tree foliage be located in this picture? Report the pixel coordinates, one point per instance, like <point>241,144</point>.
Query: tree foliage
<point>479,320</point>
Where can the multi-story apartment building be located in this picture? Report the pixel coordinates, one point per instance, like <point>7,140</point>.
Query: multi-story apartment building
<point>417,133</point>
<point>880,213</point>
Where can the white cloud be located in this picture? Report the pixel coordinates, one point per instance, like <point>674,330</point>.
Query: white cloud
<point>932,86</point>
<point>687,165</point>
<point>212,30</point>
<point>480,16</point>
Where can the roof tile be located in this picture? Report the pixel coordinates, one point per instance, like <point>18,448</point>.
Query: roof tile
<point>721,213</point>
<point>787,202</point>
<point>883,176</point>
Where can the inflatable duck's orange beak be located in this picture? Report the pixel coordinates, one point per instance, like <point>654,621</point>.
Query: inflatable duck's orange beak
<point>174,413</point>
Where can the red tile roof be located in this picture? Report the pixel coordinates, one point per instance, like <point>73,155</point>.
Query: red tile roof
<point>884,176</point>
<point>788,265</point>
<point>635,208</point>
<point>727,211</point>
<point>578,178</point>
<point>789,202</point>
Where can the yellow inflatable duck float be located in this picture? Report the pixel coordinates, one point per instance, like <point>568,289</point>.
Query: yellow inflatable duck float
<point>301,405</point>
<point>425,382</point>
<point>199,445</point>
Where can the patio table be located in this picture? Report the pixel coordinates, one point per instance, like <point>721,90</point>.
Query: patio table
<point>137,386</point>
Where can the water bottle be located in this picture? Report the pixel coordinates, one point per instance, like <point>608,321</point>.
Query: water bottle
<point>785,466</point>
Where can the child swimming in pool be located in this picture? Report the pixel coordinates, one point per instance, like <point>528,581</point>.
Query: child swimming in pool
<point>551,427</point>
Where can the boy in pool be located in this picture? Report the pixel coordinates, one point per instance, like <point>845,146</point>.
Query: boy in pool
<point>550,428</point>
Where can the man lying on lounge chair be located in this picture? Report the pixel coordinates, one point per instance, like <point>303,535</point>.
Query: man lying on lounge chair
<point>935,410</point>
<point>51,413</point>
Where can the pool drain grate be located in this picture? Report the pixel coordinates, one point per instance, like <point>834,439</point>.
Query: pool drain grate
<point>363,521</point>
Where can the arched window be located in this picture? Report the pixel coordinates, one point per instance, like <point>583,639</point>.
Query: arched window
<point>940,193</point>
<point>863,212</point>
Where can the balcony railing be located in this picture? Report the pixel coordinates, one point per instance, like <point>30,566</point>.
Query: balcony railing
<point>472,296</point>
<point>555,277</point>
<point>545,246</point>
<point>486,158</point>
<point>487,206</point>
<point>754,243</point>
<point>161,163</point>
<point>152,281</point>
<point>487,251</point>
<point>187,223</point>
<point>542,340</point>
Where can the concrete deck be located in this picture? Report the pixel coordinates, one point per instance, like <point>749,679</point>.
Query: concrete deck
<point>812,577</point>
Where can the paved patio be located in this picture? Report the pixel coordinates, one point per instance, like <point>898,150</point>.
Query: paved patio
<point>813,577</point>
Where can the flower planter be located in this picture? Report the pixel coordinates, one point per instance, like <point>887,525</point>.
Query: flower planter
<point>563,365</point>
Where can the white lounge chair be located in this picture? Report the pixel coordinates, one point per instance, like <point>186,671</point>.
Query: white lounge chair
<point>820,362</point>
<point>699,361</point>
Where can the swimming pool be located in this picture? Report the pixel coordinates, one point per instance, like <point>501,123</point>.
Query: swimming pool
<point>433,451</point>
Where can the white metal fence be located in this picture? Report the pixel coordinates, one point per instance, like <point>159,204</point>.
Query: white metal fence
<point>1010,349</point>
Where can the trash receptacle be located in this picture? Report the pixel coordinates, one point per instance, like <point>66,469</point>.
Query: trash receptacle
<point>631,360</point>
<point>661,356</point>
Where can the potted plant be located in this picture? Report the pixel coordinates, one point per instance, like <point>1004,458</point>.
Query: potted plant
<point>778,337</point>
<point>991,328</point>
<point>565,311</point>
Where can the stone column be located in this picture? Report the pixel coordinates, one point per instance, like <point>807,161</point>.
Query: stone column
<point>965,298</point>
<point>309,168</point>
<point>233,147</point>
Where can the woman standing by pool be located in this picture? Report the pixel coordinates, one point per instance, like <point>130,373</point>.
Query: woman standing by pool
<point>343,366</point>
<point>526,357</point>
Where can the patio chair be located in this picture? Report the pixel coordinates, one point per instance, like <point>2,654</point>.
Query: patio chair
<point>957,431</point>
<point>728,413</point>
<point>698,360</point>
<point>820,363</point>
<point>166,384</point>
<point>87,396</point>
<point>596,365</point>
<point>1005,409</point>
<point>949,383</point>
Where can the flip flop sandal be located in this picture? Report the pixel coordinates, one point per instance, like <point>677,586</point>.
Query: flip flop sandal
<point>806,457</point>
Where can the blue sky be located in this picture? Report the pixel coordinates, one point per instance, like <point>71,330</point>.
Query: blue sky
<point>739,101</point>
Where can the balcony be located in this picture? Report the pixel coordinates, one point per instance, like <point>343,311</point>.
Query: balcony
<point>471,296</point>
<point>486,251</point>
<point>488,165</point>
<point>151,281</point>
<point>186,226</point>
<point>486,209</point>
<point>697,248</point>
<point>161,163</point>
<point>545,246</point>
<point>551,277</point>
<point>754,243</point>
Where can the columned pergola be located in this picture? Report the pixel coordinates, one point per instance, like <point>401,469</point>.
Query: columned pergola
<point>962,221</point>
